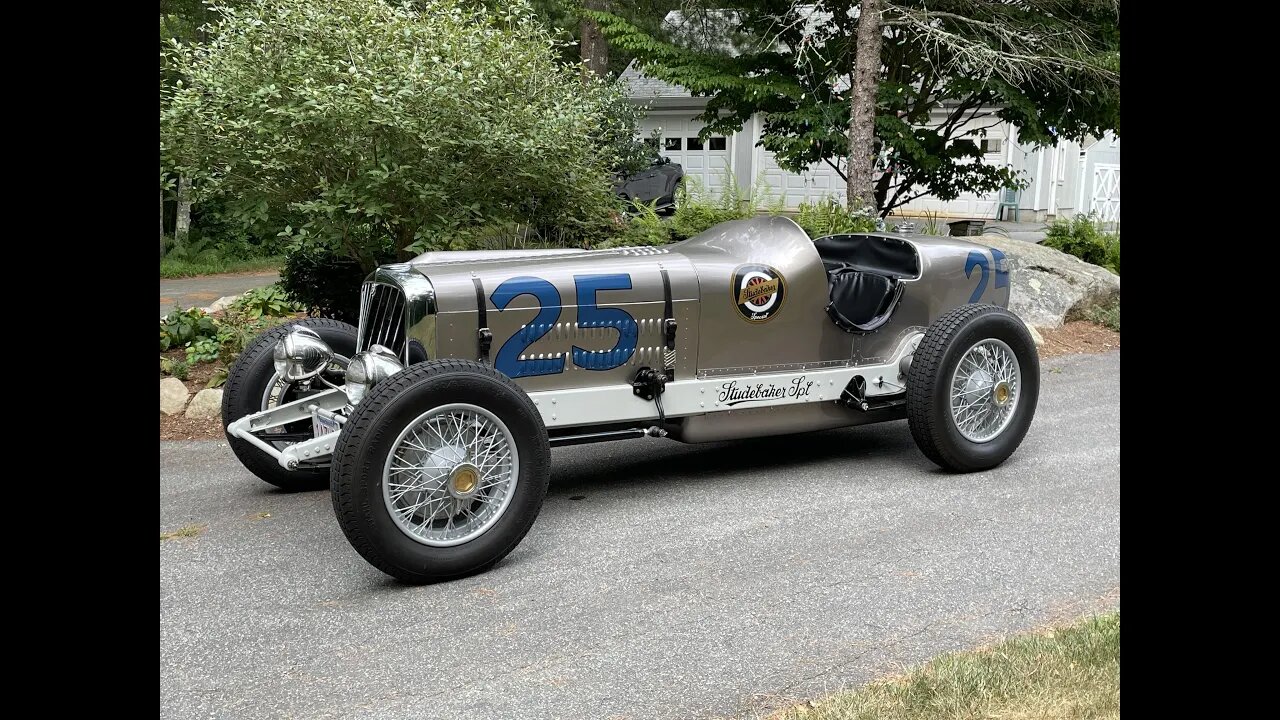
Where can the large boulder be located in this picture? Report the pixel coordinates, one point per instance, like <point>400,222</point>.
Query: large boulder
<point>1049,286</point>
<point>207,403</point>
<point>173,395</point>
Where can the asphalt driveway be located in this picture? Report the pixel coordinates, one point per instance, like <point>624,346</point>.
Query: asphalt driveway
<point>202,291</point>
<point>660,581</point>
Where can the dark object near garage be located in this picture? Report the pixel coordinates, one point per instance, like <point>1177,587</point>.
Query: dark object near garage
<point>964,228</point>
<point>658,182</point>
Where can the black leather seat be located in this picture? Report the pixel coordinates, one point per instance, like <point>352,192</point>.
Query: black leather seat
<point>865,274</point>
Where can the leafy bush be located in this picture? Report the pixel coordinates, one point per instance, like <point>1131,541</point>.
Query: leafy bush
<point>1106,315</point>
<point>1081,236</point>
<point>175,366</point>
<point>645,227</point>
<point>217,379</point>
<point>181,327</point>
<point>203,350</point>
<point>828,217</point>
<point>697,211</point>
<point>269,301</point>
<point>326,283</point>
<point>365,123</point>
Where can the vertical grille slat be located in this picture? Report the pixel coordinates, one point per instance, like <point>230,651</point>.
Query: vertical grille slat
<point>382,317</point>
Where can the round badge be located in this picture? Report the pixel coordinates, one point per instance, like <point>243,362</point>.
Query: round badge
<point>758,292</point>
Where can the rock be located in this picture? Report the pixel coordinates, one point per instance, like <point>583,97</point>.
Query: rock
<point>1050,286</point>
<point>173,396</point>
<point>222,303</point>
<point>206,403</point>
<point>1036,336</point>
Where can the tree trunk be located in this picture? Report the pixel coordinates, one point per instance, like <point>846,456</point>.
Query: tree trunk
<point>162,222</point>
<point>862,116</point>
<point>591,42</point>
<point>182,224</point>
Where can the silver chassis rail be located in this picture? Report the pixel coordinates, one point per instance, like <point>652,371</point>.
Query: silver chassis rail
<point>614,404</point>
<point>310,451</point>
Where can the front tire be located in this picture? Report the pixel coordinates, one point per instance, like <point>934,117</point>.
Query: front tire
<point>250,388</point>
<point>973,387</point>
<point>440,471</point>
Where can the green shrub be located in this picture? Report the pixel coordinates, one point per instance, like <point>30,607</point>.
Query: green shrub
<point>645,227</point>
<point>828,217</point>
<point>203,350</point>
<point>327,283</point>
<point>697,211</point>
<point>181,327</point>
<point>1106,315</point>
<point>358,124</point>
<point>269,301</point>
<point>175,366</point>
<point>1081,236</point>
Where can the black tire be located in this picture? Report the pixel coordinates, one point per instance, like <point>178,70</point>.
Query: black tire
<point>367,439</point>
<point>247,383</point>
<point>929,387</point>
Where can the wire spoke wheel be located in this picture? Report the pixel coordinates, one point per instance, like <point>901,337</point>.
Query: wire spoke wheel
<point>450,475</point>
<point>984,390</point>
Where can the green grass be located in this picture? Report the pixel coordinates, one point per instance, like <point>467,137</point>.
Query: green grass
<point>170,268</point>
<point>1068,673</point>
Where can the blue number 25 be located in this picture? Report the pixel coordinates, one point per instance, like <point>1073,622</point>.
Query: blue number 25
<point>508,360</point>
<point>979,260</point>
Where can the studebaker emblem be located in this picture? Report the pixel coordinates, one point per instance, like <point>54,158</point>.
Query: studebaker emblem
<point>758,291</point>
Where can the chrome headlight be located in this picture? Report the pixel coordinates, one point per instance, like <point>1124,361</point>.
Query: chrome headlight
<point>368,369</point>
<point>301,355</point>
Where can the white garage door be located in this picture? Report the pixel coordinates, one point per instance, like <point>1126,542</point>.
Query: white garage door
<point>817,182</point>
<point>706,160</point>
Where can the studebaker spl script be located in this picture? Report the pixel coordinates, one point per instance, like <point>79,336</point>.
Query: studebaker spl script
<point>732,394</point>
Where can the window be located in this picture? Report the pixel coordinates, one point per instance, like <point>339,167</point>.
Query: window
<point>717,143</point>
<point>694,143</point>
<point>990,146</point>
<point>671,143</point>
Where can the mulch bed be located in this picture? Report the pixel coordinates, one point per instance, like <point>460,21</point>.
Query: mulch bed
<point>1078,336</point>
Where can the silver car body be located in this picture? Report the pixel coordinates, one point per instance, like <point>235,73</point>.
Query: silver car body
<point>574,327</point>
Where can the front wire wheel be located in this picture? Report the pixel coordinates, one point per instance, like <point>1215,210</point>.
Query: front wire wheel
<point>440,471</point>
<point>450,475</point>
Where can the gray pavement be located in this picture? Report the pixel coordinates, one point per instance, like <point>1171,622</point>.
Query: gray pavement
<point>660,581</point>
<point>202,291</point>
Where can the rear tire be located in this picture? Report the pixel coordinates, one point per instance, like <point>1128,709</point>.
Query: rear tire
<point>973,387</point>
<point>425,450</point>
<point>245,394</point>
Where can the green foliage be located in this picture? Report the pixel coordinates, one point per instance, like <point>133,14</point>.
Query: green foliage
<point>1084,237</point>
<point>931,225</point>
<point>217,379</point>
<point>176,367</point>
<point>354,124</point>
<point>237,329</point>
<point>170,268</point>
<point>1106,315</point>
<point>643,227</point>
<point>181,327</point>
<point>828,217</point>
<point>203,350</point>
<point>327,283</point>
<point>697,210</point>
<point>1051,74</point>
<point>270,301</point>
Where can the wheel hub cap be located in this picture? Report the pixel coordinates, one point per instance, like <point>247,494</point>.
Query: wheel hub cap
<point>1001,393</point>
<point>463,480</point>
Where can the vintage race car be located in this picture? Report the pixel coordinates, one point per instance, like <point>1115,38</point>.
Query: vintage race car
<point>433,422</point>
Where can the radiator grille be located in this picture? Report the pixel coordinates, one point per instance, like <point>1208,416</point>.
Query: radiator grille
<point>382,317</point>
